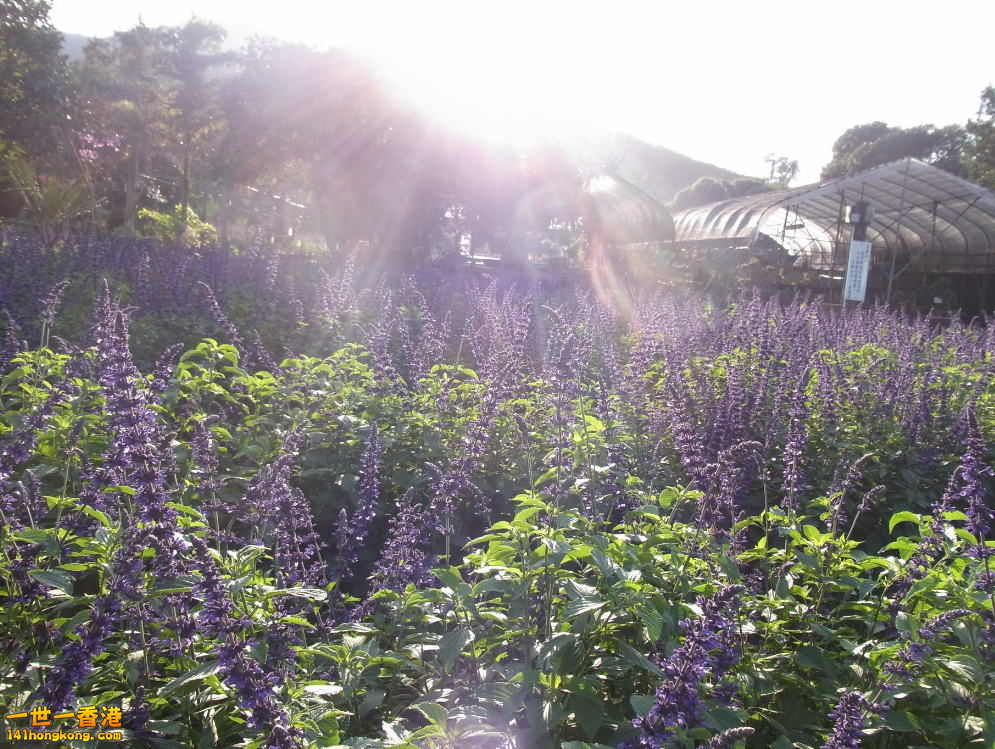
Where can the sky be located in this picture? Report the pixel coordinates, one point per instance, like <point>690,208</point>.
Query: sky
<point>723,82</point>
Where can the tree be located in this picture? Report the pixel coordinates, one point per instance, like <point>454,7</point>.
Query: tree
<point>866,146</point>
<point>378,169</point>
<point>197,50</point>
<point>782,170</point>
<point>129,94</point>
<point>33,80</point>
<point>51,203</point>
<point>979,152</point>
<point>711,190</point>
<point>317,119</point>
<point>851,141</point>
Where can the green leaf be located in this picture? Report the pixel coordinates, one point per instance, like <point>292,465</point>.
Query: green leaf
<point>813,534</point>
<point>583,605</point>
<point>34,536</point>
<point>323,690</point>
<point>902,720</point>
<point>807,560</point>
<point>556,546</point>
<point>589,711</point>
<point>452,644</point>
<point>495,585</point>
<point>722,718</point>
<point>98,515</point>
<point>966,667</point>
<point>364,629</point>
<point>372,700</point>
<point>929,582</point>
<point>903,517</point>
<point>642,703</point>
<point>48,538</point>
<point>312,594</point>
<point>298,620</point>
<point>961,533</point>
<point>606,566</point>
<point>577,590</point>
<point>651,619</point>
<point>634,657</point>
<point>906,623</point>
<point>448,576</point>
<point>70,624</point>
<point>562,653</point>
<point>203,671</point>
<point>811,657</point>
<point>168,587</point>
<point>54,579</point>
<point>436,714</point>
<point>186,510</point>
<point>527,514</point>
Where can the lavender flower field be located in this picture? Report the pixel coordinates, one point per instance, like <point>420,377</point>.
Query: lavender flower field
<point>263,500</point>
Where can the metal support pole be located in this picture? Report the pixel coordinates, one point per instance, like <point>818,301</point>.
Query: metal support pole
<point>898,230</point>
<point>838,245</point>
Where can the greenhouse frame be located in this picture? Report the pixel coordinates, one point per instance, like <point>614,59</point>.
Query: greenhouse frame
<point>925,220</point>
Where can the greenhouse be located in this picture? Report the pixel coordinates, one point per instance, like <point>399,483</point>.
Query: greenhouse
<point>924,219</point>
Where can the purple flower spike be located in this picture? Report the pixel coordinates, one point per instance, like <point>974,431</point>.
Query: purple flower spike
<point>849,720</point>
<point>369,488</point>
<point>728,738</point>
<point>708,651</point>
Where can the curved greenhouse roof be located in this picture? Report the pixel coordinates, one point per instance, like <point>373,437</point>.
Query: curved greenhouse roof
<point>626,214</point>
<point>924,217</point>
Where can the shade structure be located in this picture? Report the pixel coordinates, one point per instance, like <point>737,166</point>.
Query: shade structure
<point>924,218</point>
<point>625,215</point>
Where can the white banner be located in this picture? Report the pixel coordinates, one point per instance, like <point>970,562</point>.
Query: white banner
<point>855,284</point>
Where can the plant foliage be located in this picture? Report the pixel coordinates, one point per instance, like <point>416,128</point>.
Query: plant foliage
<point>456,511</point>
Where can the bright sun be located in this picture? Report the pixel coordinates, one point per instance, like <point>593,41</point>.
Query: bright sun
<point>483,97</point>
<point>485,72</point>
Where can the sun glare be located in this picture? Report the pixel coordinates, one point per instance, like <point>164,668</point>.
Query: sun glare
<point>480,73</point>
<point>482,98</point>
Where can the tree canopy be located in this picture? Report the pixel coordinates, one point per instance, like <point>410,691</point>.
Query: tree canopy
<point>711,190</point>
<point>980,149</point>
<point>865,146</point>
<point>32,76</point>
<point>169,124</point>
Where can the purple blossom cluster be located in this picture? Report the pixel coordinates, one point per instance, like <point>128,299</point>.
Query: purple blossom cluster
<point>850,481</point>
<point>794,452</point>
<point>734,401</point>
<point>849,721</point>
<point>354,528</point>
<point>139,457</point>
<point>728,738</point>
<point>709,650</point>
<point>723,504</point>
<point>11,344</point>
<point>975,493</point>
<point>403,558</point>
<point>786,376</point>
<point>256,689</point>
<point>910,657</point>
<point>449,486</point>
<point>275,513</point>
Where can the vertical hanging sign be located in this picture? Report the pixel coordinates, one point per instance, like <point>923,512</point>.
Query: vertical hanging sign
<point>855,285</point>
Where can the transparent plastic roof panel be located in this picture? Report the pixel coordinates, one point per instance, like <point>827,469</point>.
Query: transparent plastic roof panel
<point>924,218</point>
